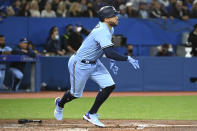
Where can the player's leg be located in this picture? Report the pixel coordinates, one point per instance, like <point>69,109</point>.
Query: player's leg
<point>102,95</point>
<point>60,102</point>
<point>17,77</point>
<point>102,77</point>
<point>79,74</point>
<point>2,75</point>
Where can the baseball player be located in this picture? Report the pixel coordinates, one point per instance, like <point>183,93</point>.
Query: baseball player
<point>85,64</point>
<point>4,50</point>
<point>17,68</point>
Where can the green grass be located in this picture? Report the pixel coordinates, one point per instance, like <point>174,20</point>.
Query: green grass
<point>136,107</point>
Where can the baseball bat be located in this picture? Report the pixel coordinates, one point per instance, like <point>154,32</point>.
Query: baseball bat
<point>23,121</point>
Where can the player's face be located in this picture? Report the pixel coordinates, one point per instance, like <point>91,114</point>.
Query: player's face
<point>2,40</point>
<point>112,21</point>
<point>23,45</point>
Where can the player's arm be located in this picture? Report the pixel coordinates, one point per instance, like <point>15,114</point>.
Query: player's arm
<point>104,39</point>
<point>112,54</point>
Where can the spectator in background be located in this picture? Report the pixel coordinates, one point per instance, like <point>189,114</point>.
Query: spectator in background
<point>32,47</point>
<point>10,11</point>
<point>83,6</point>
<point>75,10</point>
<point>4,50</point>
<point>193,40</point>
<point>164,3</point>
<point>17,6</point>
<point>171,5</point>
<point>90,12</point>
<point>53,45</point>
<point>135,4</point>
<point>129,50</point>
<point>123,13</point>
<point>193,13</point>
<point>2,15</point>
<point>143,12</point>
<point>41,4</point>
<point>61,10</point>
<point>75,40</point>
<point>98,4</point>
<point>4,4</point>
<point>117,3</point>
<point>165,50</point>
<point>25,10</point>
<point>54,5</point>
<point>64,39</point>
<point>157,11</point>
<point>188,4</point>
<point>34,9</point>
<point>23,2</point>
<point>17,68</point>
<point>179,12</point>
<point>131,12</point>
<point>47,12</point>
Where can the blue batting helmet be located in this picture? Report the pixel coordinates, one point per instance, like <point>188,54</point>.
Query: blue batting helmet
<point>107,12</point>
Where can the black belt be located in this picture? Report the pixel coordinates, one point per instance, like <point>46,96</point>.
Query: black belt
<point>88,62</point>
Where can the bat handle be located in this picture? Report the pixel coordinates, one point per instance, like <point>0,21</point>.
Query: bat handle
<point>39,121</point>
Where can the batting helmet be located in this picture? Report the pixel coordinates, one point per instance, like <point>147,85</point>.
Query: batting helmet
<point>107,12</point>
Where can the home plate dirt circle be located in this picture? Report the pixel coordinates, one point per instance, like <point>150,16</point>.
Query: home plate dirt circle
<point>111,125</point>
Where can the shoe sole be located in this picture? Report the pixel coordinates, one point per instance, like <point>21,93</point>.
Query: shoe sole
<point>88,120</point>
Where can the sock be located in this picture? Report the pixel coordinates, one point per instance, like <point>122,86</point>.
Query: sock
<point>100,98</point>
<point>66,98</point>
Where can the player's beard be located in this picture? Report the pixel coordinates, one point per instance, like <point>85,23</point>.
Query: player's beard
<point>112,24</point>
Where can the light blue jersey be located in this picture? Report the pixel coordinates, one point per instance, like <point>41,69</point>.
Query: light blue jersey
<point>99,38</point>
<point>3,66</point>
<point>91,50</point>
<point>6,48</point>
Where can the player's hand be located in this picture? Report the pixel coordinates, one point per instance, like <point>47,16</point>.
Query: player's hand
<point>134,62</point>
<point>113,67</point>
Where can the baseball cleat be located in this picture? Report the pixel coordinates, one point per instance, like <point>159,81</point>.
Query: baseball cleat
<point>93,118</point>
<point>58,112</point>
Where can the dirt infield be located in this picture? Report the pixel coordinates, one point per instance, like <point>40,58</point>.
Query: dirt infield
<point>111,125</point>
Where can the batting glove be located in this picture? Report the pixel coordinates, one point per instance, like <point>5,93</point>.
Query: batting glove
<point>113,67</point>
<point>134,62</point>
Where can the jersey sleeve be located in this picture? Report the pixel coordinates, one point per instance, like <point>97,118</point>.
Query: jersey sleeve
<point>8,48</point>
<point>104,39</point>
